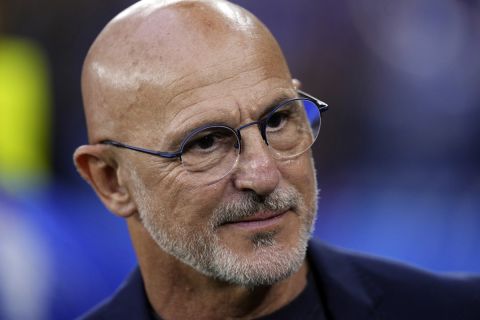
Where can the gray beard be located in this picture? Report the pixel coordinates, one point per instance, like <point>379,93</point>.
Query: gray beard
<point>202,250</point>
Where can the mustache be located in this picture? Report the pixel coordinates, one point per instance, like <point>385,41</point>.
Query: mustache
<point>251,203</point>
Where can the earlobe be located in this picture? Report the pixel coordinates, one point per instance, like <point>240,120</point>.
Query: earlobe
<point>94,165</point>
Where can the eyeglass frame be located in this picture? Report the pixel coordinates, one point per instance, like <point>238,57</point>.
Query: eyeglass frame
<point>262,123</point>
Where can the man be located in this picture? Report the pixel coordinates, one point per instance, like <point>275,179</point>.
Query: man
<point>200,139</point>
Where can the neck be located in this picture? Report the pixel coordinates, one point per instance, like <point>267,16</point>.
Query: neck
<point>177,291</point>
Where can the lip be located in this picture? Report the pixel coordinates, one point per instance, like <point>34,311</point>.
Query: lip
<point>260,220</point>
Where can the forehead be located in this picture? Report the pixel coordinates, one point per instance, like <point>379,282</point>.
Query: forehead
<point>180,62</point>
<point>215,86</point>
<point>236,87</point>
<point>231,93</point>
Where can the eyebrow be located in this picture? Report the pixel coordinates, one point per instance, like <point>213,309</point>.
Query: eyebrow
<point>282,97</point>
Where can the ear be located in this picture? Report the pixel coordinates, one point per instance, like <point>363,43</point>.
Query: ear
<point>296,84</point>
<point>101,172</point>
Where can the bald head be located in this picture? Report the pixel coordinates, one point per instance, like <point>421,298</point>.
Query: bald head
<point>156,53</point>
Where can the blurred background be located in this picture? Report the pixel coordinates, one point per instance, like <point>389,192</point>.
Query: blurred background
<point>398,158</point>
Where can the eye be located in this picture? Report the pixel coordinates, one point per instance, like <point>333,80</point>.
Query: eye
<point>202,143</point>
<point>277,120</point>
<point>208,141</point>
<point>205,142</point>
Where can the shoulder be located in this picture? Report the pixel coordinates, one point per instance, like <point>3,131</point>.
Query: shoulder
<point>389,286</point>
<point>390,271</point>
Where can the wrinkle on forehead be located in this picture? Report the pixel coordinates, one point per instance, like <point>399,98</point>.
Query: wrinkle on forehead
<point>190,85</point>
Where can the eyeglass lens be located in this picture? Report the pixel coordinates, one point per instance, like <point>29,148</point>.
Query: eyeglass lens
<point>292,128</point>
<point>212,153</point>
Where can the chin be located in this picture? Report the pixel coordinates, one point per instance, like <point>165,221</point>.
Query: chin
<point>267,262</point>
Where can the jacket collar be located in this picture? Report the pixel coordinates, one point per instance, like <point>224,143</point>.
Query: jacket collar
<point>346,291</point>
<point>128,302</point>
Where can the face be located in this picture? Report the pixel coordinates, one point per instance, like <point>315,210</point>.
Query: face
<point>252,226</point>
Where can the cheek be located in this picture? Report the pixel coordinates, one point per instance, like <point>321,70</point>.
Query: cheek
<point>300,173</point>
<point>181,203</point>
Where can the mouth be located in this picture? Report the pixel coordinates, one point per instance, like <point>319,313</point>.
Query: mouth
<point>259,220</point>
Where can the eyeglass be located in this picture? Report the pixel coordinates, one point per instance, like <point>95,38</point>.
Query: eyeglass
<point>211,152</point>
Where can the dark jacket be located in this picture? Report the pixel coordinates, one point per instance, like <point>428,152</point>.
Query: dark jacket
<point>353,286</point>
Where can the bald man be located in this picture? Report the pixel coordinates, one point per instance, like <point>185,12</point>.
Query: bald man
<point>200,139</point>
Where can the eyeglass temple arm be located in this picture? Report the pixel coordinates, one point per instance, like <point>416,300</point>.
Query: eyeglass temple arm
<point>322,106</point>
<point>169,155</point>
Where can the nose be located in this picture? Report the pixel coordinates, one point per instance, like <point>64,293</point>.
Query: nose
<point>257,170</point>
